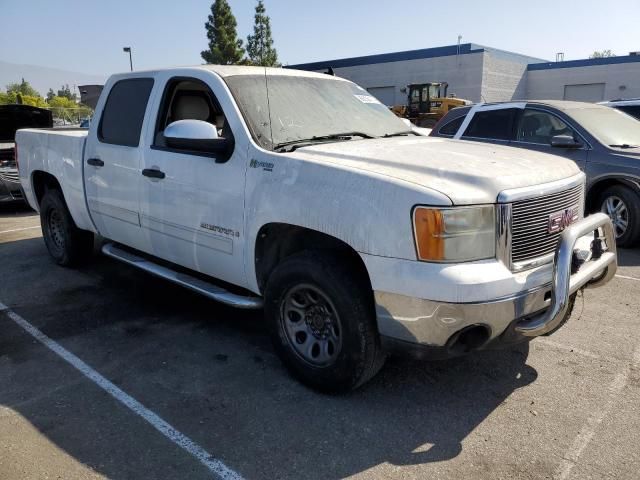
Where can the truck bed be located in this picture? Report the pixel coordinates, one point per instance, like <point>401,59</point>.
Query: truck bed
<point>59,152</point>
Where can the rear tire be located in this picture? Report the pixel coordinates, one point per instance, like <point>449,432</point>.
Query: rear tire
<point>623,207</point>
<point>66,243</point>
<point>322,322</point>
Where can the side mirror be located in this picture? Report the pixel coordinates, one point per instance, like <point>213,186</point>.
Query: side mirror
<point>198,136</point>
<point>564,141</point>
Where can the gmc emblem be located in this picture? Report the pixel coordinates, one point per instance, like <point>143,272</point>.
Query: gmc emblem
<point>560,220</point>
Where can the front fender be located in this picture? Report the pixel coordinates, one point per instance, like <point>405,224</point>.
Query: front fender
<point>369,212</point>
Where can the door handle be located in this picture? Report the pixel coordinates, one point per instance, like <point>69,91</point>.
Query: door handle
<point>95,162</point>
<point>153,173</point>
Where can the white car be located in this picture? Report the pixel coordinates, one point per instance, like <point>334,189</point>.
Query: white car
<point>629,106</point>
<point>301,194</point>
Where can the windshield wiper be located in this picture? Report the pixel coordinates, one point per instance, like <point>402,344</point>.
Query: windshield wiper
<point>345,135</point>
<point>304,142</point>
<point>399,134</point>
<point>624,145</point>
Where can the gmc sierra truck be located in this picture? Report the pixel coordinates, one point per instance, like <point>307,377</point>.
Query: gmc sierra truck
<point>301,194</point>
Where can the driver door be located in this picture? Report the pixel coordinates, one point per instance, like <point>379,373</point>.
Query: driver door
<point>192,209</point>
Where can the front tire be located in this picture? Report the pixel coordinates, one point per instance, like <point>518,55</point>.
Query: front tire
<point>623,207</point>
<point>322,322</point>
<point>66,243</point>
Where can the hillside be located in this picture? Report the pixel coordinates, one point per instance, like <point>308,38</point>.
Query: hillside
<point>43,78</point>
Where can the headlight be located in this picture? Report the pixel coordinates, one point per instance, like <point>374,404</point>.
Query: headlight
<point>455,234</point>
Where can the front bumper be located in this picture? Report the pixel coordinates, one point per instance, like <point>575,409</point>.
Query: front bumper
<point>526,314</point>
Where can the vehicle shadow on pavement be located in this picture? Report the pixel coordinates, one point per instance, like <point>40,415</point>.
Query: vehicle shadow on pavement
<point>209,371</point>
<point>15,209</point>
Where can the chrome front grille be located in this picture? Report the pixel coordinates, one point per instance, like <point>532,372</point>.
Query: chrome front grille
<point>530,237</point>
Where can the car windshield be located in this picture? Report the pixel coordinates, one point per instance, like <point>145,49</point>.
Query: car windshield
<point>309,109</point>
<point>609,126</point>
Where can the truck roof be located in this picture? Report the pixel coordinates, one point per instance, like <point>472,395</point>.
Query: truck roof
<point>232,70</point>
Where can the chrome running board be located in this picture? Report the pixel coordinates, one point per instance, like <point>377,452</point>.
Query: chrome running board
<point>197,285</point>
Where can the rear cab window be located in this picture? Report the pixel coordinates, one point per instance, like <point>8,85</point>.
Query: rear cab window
<point>492,125</point>
<point>124,110</point>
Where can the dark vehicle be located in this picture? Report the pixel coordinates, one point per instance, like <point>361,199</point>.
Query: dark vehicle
<point>603,141</point>
<point>12,118</point>
<point>630,106</point>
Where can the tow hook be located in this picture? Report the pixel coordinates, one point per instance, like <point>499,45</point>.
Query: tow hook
<point>576,263</point>
<point>596,246</point>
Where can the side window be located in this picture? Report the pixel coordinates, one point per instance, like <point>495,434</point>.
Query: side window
<point>451,128</point>
<point>633,110</point>
<point>491,124</point>
<point>540,127</point>
<point>415,96</point>
<point>189,99</point>
<point>124,111</point>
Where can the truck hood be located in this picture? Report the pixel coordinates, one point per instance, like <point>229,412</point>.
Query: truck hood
<point>466,172</point>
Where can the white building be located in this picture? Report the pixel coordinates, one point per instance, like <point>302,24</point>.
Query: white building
<point>479,73</point>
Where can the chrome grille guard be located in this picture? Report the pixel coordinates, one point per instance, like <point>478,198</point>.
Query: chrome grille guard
<point>593,273</point>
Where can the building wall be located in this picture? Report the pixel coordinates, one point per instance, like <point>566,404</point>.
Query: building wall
<point>503,78</point>
<point>463,73</point>
<point>487,74</point>
<point>621,80</point>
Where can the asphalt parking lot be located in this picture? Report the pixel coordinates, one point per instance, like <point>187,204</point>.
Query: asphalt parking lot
<point>561,407</point>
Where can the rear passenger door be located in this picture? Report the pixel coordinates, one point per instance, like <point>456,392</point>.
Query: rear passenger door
<point>492,126</point>
<point>536,128</point>
<point>112,161</point>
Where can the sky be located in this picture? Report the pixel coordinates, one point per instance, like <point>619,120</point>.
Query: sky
<point>87,36</point>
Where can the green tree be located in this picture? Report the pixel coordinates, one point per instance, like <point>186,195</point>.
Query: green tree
<point>260,45</point>
<point>65,91</point>
<point>602,54</point>
<point>68,110</point>
<point>224,46</point>
<point>23,88</point>
<point>50,94</point>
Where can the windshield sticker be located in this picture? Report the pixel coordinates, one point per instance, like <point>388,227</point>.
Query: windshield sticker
<point>367,99</point>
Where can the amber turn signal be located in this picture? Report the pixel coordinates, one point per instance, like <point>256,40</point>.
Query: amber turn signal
<point>429,227</point>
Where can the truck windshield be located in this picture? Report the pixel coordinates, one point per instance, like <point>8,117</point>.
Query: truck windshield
<point>610,126</point>
<point>309,109</point>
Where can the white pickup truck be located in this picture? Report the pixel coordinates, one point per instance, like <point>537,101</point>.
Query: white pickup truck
<point>301,194</point>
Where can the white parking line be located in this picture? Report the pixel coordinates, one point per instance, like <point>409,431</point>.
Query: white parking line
<point>19,229</point>
<point>587,432</point>
<point>569,348</point>
<point>628,278</point>
<point>215,466</point>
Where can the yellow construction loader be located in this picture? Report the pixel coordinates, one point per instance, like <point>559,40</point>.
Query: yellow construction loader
<point>427,103</point>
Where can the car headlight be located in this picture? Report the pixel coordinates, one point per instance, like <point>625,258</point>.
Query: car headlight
<point>455,234</point>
